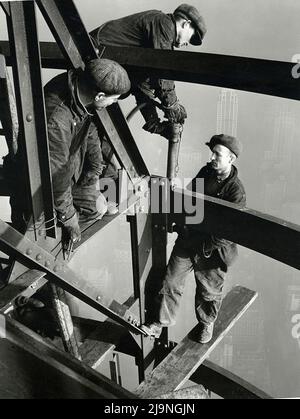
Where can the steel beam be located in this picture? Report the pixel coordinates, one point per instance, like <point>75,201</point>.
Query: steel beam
<point>43,371</point>
<point>68,30</point>
<point>241,73</point>
<point>5,7</point>
<point>8,114</point>
<point>141,245</point>
<point>31,111</point>
<point>24,286</point>
<point>113,123</point>
<point>225,383</point>
<point>271,236</point>
<point>33,256</point>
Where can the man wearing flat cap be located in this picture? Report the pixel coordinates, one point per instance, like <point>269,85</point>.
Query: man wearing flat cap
<point>157,30</point>
<point>205,254</point>
<point>71,99</point>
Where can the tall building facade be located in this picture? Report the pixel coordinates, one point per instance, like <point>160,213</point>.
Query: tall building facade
<point>227,112</point>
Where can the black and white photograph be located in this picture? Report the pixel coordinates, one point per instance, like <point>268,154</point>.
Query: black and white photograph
<point>149,202</point>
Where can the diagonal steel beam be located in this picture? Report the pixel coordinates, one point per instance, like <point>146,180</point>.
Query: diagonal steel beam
<point>5,7</point>
<point>68,30</point>
<point>33,256</point>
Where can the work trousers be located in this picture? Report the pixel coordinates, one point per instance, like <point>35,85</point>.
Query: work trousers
<point>209,275</point>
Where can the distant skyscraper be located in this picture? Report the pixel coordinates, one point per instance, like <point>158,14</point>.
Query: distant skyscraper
<point>284,136</point>
<point>227,112</point>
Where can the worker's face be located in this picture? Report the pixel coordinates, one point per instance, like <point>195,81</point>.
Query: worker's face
<point>185,32</point>
<point>102,100</point>
<point>221,158</point>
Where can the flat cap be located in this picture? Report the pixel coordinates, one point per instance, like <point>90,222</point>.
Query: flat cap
<point>232,143</point>
<point>108,76</point>
<point>189,12</point>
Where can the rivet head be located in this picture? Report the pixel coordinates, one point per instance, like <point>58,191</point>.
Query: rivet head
<point>38,257</point>
<point>47,264</point>
<point>129,319</point>
<point>29,252</point>
<point>29,117</point>
<point>98,298</point>
<point>56,268</point>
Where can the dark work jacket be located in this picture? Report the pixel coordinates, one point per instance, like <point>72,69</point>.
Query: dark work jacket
<point>231,190</point>
<point>74,143</point>
<point>149,29</point>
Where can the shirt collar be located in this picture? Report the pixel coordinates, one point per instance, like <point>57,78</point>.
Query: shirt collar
<point>175,29</point>
<point>75,103</point>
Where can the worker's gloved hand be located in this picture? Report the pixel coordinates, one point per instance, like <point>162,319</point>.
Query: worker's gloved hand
<point>175,113</point>
<point>170,131</point>
<point>71,231</point>
<point>166,129</point>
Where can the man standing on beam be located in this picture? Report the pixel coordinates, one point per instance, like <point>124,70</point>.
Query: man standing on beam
<point>157,30</point>
<point>205,254</point>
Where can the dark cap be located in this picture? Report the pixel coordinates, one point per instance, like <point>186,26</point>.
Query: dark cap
<point>108,76</point>
<point>232,143</point>
<point>191,13</point>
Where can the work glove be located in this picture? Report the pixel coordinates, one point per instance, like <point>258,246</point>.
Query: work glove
<point>71,231</point>
<point>166,129</point>
<point>175,113</point>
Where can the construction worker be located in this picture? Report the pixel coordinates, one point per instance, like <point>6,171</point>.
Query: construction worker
<point>208,256</point>
<point>157,30</point>
<point>76,160</point>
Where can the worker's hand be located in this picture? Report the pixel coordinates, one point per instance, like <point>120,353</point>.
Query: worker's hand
<point>175,113</point>
<point>171,131</point>
<point>71,231</point>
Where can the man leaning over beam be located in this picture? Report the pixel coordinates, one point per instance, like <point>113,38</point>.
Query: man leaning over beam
<point>157,30</point>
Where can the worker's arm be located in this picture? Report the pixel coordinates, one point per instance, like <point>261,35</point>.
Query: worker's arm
<point>237,196</point>
<point>93,159</point>
<point>60,138</point>
<point>162,31</point>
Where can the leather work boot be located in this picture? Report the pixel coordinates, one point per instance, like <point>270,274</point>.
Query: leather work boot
<point>205,332</point>
<point>152,329</point>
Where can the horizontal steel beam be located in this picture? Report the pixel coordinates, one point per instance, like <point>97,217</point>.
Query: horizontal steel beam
<point>271,236</point>
<point>241,73</point>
